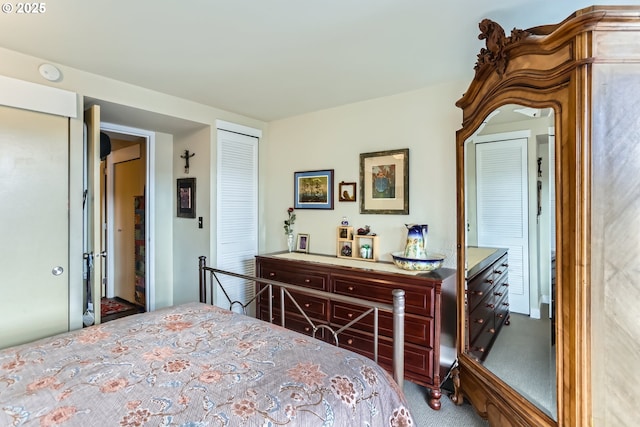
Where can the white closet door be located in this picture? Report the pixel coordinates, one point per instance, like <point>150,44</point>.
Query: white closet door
<point>34,225</point>
<point>502,195</point>
<point>237,225</point>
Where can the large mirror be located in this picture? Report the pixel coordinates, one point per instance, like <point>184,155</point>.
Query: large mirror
<point>509,211</point>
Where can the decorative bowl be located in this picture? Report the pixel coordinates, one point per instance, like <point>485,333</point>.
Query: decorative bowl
<point>429,263</point>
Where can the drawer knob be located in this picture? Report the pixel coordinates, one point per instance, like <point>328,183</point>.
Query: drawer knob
<point>272,274</point>
<point>491,331</point>
<point>480,349</point>
<point>307,281</point>
<point>350,341</point>
<point>500,315</point>
<point>505,284</point>
<point>498,294</point>
<point>498,271</point>
<point>350,315</point>
<point>505,304</point>
<point>351,288</point>
<point>480,321</point>
<point>478,293</point>
<point>504,264</point>
<point>490,305</point>
<point>307,305</point>
<point>490,281</point>
<point>307,329</point>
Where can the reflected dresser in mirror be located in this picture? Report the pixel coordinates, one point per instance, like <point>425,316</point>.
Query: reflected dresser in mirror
<point>548,160</point>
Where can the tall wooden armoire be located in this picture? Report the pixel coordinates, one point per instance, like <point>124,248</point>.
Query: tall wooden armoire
<point>587,70</point>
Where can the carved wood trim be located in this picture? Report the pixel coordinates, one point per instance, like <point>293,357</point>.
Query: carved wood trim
<point>495,54</point>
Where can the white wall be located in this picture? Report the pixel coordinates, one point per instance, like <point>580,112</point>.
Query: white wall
<point>424,121</point>
<point>196,243</point>
<point>150,107</point>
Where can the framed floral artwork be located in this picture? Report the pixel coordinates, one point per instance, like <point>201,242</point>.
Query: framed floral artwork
<point>313,189</point>
<point>384,182</point>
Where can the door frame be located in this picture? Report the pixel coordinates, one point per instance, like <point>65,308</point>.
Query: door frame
<point>149,212</point>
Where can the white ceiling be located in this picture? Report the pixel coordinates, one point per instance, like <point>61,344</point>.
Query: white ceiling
<point>270,59</point>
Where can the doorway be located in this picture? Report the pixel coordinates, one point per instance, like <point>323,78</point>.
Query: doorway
<point>125,200</point>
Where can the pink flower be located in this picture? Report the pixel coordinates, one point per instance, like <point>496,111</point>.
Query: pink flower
<point>244,409</point>
<point>44,382</point>
<point>211,376</point>
<point>114,385</point>
<point>307,373</point>
<point>58,416</point>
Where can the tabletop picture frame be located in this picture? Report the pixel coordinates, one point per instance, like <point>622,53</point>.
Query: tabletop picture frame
<point>313,189</point>
<point>302,243</point>
<point>384,182</point>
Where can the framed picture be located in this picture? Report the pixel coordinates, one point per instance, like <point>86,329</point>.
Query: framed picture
<point>302,244</point>
<point>186,197</point>
<point>313,189</point>
<point>347,191</point>
<point>384,182</point>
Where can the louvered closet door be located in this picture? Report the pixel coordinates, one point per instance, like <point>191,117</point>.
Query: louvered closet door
<point>501,174</point>
<point>237,235</point>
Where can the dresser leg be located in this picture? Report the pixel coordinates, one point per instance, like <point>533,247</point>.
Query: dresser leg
<point>434,399</point>
<point>456,397</point>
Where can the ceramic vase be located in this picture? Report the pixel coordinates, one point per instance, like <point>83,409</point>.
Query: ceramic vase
<point>290,242</point>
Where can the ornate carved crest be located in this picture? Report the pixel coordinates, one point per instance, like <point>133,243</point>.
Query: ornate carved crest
<point>496,40</point>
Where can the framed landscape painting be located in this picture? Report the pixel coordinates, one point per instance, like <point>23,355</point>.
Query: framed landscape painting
<point>313,189</point>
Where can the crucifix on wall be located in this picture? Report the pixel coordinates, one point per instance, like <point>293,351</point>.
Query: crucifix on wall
<point>186,156</point>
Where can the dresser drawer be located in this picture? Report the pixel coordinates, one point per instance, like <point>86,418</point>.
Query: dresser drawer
<point>418,330</point>
<point>293,322</point>
<point>502,311</point>
<point>312,306</point>
<point>480,317</point>
<point>310,279</point>
<point>479,287</point>
<point>418,300</point>
<point>417,360</point>
<point>501,268</point>
<point>480,346</point>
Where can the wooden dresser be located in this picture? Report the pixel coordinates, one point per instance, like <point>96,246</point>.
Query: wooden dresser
<point>430,317</point>
<point>487,298</point>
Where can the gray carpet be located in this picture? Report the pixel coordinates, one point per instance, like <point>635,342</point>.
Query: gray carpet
<point>449,414</point>
<point>523,357</point>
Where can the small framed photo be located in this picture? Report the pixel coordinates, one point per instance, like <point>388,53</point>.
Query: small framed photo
<point>302,244</point>
<point>313,189</point>
<point>384,182</point>
<point>186,197</point>
<point>347,191</point>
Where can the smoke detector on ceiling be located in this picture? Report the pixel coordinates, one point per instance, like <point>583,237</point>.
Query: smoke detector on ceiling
<point>49,72</point>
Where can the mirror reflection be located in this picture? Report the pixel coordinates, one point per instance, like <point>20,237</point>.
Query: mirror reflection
<point>510,219</point>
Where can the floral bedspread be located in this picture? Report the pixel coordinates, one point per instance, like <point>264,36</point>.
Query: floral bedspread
<point>193,365</point>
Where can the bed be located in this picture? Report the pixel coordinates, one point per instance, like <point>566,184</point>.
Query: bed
<point>193,365</point>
